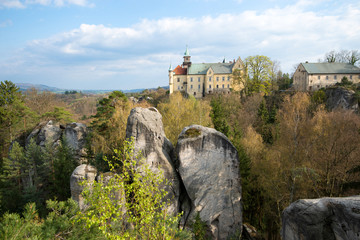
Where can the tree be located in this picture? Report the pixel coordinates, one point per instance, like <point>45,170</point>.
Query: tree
<point>219,115</point>
<point>343,56</point>
<point>62,166</point>
<point>12,114</point>
<point>330,57</point>
<point>180,112</point>
<point>109,123</point>
<point>130,197</point>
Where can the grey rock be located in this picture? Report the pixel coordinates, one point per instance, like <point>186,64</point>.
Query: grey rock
<point>46,132</point>
<point>209,168</point>
<point>51,133</point>
<point>81,173</point>
<point>146,127</point>
<point>339,97</point>
<point>75,134</point>
<point>324,218</point>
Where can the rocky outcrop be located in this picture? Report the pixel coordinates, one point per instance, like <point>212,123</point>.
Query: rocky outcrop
<point>82,173</point>
<point>51,133</point>
<point>325,218</point>
<point>209,168</point>
<point>75,134</point>
<point>339,97</point>
<point>46,132</point>
<point>145,126</point>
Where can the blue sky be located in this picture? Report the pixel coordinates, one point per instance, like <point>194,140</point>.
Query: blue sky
<point>122,44</point>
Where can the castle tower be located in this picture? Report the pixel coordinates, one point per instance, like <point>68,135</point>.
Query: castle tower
<point>187,62</point>
<point>171,80</point>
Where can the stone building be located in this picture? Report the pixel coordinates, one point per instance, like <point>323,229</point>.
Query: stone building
<point>198,79</point>
<point>313,76</point>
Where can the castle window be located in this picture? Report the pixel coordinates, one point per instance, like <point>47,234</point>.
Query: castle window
<point>178,87</point>
<point>319,77</point>
<point>217,86</point>
<point>350,76</point>
<point>199,79</point>
<point>228,78</point>
<point>191,79</point>
<point>223,78</point>
<point>178,79</point>
<point>335,77</point>
<point>191,86</point>
<point>228,86</point>
<point>327,77</point>
<point>199,86</point>
<point>217,78</point>
<point>210,86</point>
<point>194,93</point>
<point>223,86</point>
<point>209,79</point>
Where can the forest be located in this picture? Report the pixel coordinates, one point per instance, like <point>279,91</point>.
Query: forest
<point>290,147</point>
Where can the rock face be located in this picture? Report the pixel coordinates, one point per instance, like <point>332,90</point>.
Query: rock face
<point>145,126</point>
<point>338,97</point>
<point>50,132</point>
<point>209,168</point>
<point>75,134</point>
<point>46,132</point>
<point>325,218</point>
<point>81,173</point>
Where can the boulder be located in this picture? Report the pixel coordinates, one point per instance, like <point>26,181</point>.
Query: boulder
<point>209,168</point>
<point>324,218</point>
<point>75,134</point>
<point>339,97</point>
<point>46,132</point>
<point>82,173</point>
<point>51,132</point>
<point>146,127</point>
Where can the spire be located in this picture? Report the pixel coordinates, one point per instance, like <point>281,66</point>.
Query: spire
<point>170,68</point>
<point>224,60</point>
<point>187,52</point>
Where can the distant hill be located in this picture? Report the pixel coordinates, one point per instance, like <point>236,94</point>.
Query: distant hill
<point>41,87</point>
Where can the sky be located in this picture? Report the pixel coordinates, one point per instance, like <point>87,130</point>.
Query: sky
<point>124,44</point>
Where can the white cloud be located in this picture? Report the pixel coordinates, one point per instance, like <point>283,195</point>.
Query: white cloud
<point>143,51</point>
<point>58,3</point>
<point>11,4</point>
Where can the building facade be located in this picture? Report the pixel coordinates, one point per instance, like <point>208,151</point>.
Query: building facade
<point>313,76</point>
<point>199,79</point>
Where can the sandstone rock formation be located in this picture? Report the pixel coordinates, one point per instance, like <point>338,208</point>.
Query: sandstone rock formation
<point>325,218</point>
<point>145,126</point>
<point>82,173</point>
<point>209,168</point>
<point>46,132</point>
<point>339,97</point>
<point>51,132</point>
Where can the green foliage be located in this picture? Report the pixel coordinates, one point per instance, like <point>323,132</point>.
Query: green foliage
<point>266,120</point>
<point>192,132</point>
<point>17,228</point>
<point>109,123</point>
<point>13,114</point>
<point>130,196</point>
<point>199,228</point>
<point>35,174</point>
<point>64,164</point>
<point>59,223</point>
<point>59,115</point>
<point>284,81</point>
<point>218,115</point>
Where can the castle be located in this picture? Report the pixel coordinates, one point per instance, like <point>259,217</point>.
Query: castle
<point>199,79</point>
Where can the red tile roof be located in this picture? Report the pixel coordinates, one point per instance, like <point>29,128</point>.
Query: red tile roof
<point>180,70</point>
